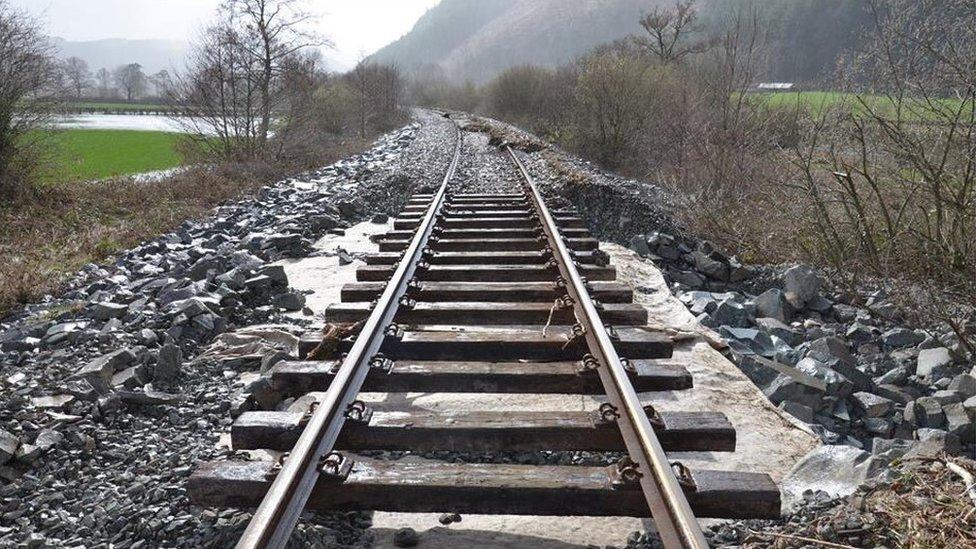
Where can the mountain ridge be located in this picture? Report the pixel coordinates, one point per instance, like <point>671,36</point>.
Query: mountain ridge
<point>472,40</point>
<point>476,40</point>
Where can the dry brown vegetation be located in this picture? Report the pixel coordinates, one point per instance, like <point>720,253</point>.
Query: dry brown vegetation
<point>50,234</point>
<point>881,186</point>
<point>926,506</point>
<point>263,108</point>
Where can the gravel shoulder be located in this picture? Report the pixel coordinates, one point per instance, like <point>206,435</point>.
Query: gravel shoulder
<point>105,405</point>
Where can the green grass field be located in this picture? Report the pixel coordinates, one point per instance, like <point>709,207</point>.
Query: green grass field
<point>100,154</point>
<point>816,101</point>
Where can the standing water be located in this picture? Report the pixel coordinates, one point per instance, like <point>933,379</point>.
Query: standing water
<point>149,123</point>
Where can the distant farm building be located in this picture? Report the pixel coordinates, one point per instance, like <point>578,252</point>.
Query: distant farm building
<point>776,86</point>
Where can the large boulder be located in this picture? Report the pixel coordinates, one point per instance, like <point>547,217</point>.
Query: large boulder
<point>837,470</point>
<point>780,382</point>
<point>639,244</point>
<point>933,364</point>
<point>99,371</point>
<point>773,304</point>
<point>711,266</point>
<point>925,412</point>
<point>8,446</point>
<point>933,443</point>
<point>897,338</point>
<point>776,328</point>
<point>169,361</point>
<point>960,422</point>
<point>835,353</point>
<point>871,405</point>
<point>731,313</point>
<point>291,301</point>
<point>964,384</point>
<point>837,384</point>
<point>749,340</point>
<point>107,310</point>
<point>802,285</point>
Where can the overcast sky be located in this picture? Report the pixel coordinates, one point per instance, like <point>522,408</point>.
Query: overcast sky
<point>357,27</point>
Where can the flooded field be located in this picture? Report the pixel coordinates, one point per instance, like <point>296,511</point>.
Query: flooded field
<point>152,123</point>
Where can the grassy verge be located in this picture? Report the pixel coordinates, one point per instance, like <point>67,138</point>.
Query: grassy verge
<point>49,233</point>
<point>101,154</point>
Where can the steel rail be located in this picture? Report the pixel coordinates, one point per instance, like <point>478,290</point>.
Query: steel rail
<point>669,507</point>
<point>280,510</point>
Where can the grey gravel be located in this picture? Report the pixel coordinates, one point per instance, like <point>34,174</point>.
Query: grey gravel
<point>105,413</point>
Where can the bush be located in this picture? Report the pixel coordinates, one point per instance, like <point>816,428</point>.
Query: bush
<point>27,88</point>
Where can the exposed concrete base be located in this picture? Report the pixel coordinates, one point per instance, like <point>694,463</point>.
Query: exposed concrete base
<point>508,532</point>
<point>323,275</point>
<point>768,441</point>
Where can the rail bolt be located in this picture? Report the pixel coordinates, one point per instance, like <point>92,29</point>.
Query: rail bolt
<point>334,466</point>
<point>381,363</point>
<point>654,417</point>
<point>625,475</point>
<point>359,412</point>
<point>683,474</point>
<point>588,365</point>
<point>607,415</point>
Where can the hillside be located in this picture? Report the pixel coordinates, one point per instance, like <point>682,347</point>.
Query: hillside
<point>477,39</point>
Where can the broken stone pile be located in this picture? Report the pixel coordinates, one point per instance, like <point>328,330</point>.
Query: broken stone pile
<point>100,378</point>
<point>839,363</point>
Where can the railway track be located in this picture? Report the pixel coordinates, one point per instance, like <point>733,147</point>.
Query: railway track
<point>484,292</point>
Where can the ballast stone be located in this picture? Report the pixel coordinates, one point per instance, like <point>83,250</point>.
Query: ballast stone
<point>108,310</point>
<point>8,446</point>
<point>801,284</point>
<point>168,363</point>
<point>773,304</point>
<point>871,405</point>
<point>933,364</point>
<point>897,338</point>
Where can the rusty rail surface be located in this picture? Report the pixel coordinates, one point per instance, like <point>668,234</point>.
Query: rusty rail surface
<point>280,510</point>
<point>672,514</point>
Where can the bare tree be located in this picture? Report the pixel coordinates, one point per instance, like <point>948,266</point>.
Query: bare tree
<point>613,98</point>
<point>673,33</point>
<point>28,72</point>
<point>221,93</point>
<point>297,117</point>
<point>275,31</point>
<point>77,75</point>
<point>378,90</point>
<point>892,173</point>
<point>162,83</point>
<point>104,80</point>
<point>131,80</point>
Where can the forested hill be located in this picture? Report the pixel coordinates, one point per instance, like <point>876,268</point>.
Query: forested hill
<point>476,39</point>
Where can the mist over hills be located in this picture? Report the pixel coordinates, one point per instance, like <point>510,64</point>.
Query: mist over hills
<point>477,39</point>
<point>153,55</point>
